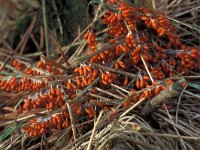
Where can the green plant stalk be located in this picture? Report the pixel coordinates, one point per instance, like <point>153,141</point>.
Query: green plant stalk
<point>10,130</point>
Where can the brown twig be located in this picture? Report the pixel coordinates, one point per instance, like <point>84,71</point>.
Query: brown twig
<point>127,74</point>
<point>146,67</point>
<point>132,107</point>
<point>54,63</point>
<point>172,90</point>
<point>73,120</point>
<point>94,130</point>
<point>109,93</point>
<point>58,46</point>
<point>75,40</point>
<point>22,44</point>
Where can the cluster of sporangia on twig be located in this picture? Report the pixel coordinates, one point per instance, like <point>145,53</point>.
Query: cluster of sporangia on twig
<point>150,48</point>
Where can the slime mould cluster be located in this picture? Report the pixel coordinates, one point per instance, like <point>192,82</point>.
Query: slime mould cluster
<point>139,41</point>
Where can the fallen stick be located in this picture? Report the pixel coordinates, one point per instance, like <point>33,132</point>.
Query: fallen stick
<point>172,90</point>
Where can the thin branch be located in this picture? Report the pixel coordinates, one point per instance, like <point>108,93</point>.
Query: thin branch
<point>44,14</point>
<point>93,131</point>
<point>146,67</point>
